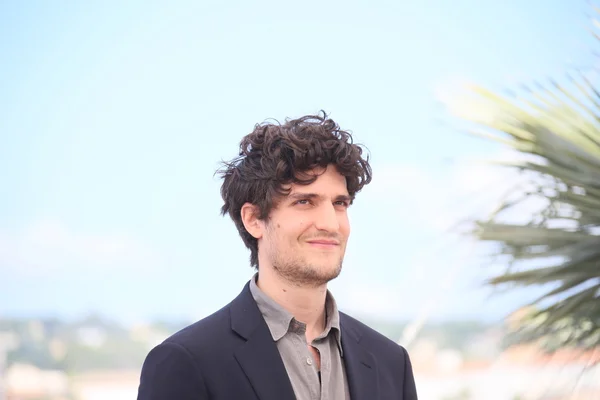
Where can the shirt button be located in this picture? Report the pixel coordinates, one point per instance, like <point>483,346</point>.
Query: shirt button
<point>308,361</point>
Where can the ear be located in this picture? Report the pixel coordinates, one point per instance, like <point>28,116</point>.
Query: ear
<point>252,223</point>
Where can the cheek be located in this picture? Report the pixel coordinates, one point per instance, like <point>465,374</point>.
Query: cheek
<point>300,225</point>
<point>289,231</point>
<point>298,229</point>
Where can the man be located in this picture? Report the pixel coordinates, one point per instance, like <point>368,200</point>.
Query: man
<point>283,338</point>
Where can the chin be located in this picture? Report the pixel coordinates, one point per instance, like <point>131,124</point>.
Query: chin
<point>330,271</point>
<point>311,271</point>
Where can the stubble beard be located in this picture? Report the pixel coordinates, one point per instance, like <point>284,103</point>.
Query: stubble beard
<point>301,273</point>
<point>298,270</point>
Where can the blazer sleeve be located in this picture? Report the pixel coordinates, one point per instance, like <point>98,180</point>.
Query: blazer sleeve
<point>169,372</point>
<point>410,389</point>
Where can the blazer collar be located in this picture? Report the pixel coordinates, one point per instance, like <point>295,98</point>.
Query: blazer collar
<point>361,366</point>
<point>259,357</point>
<point>260,360</point>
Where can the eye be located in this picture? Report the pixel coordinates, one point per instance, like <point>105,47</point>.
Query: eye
<point>303,202</point>
<point>342,203</point>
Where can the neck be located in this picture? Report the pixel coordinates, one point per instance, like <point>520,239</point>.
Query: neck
<point>306,304</point>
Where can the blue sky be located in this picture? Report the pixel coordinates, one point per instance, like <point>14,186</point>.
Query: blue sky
<point>113,118</point>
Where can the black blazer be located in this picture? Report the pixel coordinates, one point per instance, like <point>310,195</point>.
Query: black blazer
<point>230,355</point>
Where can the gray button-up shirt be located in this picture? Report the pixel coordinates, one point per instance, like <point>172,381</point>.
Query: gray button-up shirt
<point>289,335</point>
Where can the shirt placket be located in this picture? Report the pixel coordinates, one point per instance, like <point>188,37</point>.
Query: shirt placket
<point>309,366</point>
<point>321,346</point>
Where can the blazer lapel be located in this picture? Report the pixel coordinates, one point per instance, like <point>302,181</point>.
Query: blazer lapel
<point>258,357</point>
<point>361,368</point>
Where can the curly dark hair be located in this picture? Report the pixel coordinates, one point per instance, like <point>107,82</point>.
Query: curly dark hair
<point>274,155</point>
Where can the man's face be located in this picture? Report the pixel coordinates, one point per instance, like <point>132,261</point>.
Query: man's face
<point>305,236</point>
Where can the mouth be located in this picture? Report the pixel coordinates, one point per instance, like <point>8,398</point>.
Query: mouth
<point>324,243</point>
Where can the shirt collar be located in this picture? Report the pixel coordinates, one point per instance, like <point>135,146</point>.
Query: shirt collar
<point>279,319</point>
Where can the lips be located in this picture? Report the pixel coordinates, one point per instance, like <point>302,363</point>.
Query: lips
<point>324,242</point>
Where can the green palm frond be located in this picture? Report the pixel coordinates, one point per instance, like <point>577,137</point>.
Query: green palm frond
<point>556,129</point>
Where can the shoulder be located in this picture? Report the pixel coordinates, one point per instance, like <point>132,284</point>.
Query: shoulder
<point>370,338</point>
<point>207,336</point>
<point>216,334</point>
<point>206,329</point>
<point>394,365</point>
<point>170,371</point>
<point>176,367</point>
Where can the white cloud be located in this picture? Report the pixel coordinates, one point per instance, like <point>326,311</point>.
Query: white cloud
<point>50,246</point>
<point>437,199</point>
<point>440,266</point>
<point>492,185</point>
<point>460,101</point>
<point>411,193</point>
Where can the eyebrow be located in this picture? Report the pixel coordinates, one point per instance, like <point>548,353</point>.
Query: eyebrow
<point>300,196</point>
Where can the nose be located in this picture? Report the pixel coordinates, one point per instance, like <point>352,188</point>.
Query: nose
<point>327,219</point>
